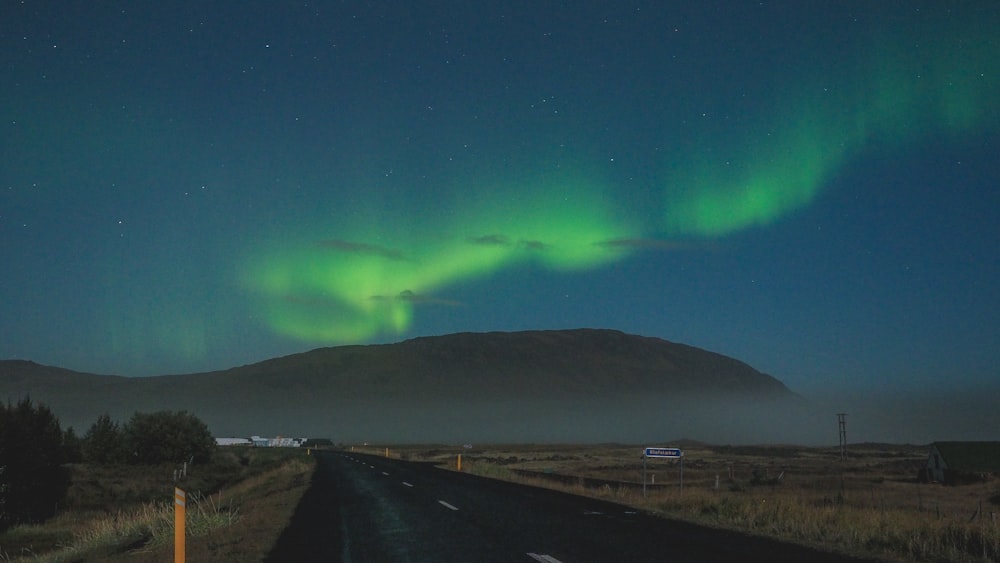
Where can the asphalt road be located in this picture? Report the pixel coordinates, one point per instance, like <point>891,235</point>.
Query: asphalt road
<point>364,508</point>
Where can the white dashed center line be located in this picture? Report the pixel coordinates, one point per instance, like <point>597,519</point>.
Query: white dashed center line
<point>543,558</point>
<point>384,473</point>
<point>446,505</point>
<point>407,484</point>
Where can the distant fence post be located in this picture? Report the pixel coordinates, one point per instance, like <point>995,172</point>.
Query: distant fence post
<point>180,502</point>
<point>644,475</point>
<point>682,475</point>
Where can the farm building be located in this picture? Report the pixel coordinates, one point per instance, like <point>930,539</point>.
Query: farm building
<point>958,462</point>
<point>261,442</point>
<point>233,442</point>
<point>278,442</point>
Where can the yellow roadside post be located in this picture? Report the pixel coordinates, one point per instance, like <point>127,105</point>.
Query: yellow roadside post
<point>459,462</point>
<point>180,500</point>
<point>387,452</point>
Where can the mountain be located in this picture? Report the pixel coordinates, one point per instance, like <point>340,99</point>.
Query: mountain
<point>564,385</point>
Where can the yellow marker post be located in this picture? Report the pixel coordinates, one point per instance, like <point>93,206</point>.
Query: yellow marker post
<point>180,502</point>
<point>459,462</point>
<point>387,452</point>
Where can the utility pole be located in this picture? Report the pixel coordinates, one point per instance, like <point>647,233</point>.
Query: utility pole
<point>842,422</point>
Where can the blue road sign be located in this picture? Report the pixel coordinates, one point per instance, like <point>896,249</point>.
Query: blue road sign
<point>663,452</point>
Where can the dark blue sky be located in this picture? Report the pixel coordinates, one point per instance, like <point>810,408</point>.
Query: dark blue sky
<point>808,187</point>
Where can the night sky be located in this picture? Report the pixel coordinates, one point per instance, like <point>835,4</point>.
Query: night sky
<point>809,187</point>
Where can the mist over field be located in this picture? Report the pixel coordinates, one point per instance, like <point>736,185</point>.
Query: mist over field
<point>918,419</point>
<point>568,386</point>
<point>638,419</point>
<point>633,420</point>
<point>915,417</point>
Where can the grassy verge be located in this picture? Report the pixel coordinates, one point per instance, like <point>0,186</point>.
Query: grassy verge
<point>237,506</point>
<point>869,507</point>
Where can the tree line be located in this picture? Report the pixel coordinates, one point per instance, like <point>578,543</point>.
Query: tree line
<point>35,451</point>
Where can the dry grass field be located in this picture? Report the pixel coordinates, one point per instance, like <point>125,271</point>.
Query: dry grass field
<point>237,506</point>
<point>870,504</point>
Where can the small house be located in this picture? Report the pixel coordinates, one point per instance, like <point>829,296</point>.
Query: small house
<point>960,462</point>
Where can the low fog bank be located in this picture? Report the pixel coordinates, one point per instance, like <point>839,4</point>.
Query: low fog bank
<point>917,418</point>
<point>635,420</point>
<point>914,417</point>
<point>891,418</point>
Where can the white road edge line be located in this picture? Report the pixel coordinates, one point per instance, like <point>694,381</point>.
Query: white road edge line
<point>446,505</point>
<point>543,558</point>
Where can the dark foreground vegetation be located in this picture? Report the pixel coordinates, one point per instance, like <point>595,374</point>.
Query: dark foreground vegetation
<point>109,495</point>
<point>35,451</point>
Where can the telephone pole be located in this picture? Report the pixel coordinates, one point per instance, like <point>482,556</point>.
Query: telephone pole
<point>842,422</point>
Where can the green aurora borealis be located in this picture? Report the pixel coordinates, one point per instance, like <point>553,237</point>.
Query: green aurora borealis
<point>345,291</point>
<point>808,187</point>
<point>365,278</point>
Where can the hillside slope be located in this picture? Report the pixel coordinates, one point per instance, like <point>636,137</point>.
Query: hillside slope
<point>542,385</point>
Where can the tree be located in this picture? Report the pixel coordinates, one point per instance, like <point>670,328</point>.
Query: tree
<point>72,447</point>
<point>317,442</point>
<point>102,443</point>
<point>165,436</point>
<point>33,480</point>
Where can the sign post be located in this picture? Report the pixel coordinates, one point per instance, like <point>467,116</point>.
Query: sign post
<point>674,453</point>
<point>180,500</point>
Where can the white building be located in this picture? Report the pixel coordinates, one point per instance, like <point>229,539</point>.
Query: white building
<point>233,442</point>
<point>279,442</point>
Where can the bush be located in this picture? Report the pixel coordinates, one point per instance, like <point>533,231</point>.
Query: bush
<point>33,450</point>
<point>72,447</point>
<point>102,444</point>
<point>317,442</point>
<point>167,437</point>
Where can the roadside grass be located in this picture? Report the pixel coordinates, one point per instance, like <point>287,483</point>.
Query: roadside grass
<point>842,523</point>
<point>870,505</point>
<point>237,506</point>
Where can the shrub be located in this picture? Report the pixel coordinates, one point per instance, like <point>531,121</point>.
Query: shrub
<point>72,447</point>
<point>32,449</point>
<point>317,442</point>
<point>165,436</point>
<point>102,444</point>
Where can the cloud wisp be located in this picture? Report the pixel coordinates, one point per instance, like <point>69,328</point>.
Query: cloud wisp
<point>408,296</point>
<point>360,248</point>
